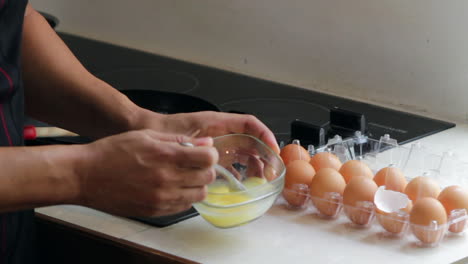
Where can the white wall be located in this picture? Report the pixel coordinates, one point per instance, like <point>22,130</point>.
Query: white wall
<point>409,54</point>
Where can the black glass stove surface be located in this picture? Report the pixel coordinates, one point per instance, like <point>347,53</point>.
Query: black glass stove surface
<point>279,106</point>
<point>149,77</point>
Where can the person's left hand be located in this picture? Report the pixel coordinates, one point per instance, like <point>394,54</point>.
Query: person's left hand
<point>207,124</point>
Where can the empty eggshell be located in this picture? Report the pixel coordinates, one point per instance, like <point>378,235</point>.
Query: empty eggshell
<point>396,222</point>
<point>422,186</point>
<point>358,198</point>
<point>325,160</point>
<point>453,198</point>
<point>428,219</point>
<point>392,209</point>
<point>293,152</point>
<point>392,178</point>
<point>326,190</point>
<point>354,168</point>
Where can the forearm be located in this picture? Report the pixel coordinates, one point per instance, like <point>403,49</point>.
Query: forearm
<point>39,176</point>
<point>60,91</point>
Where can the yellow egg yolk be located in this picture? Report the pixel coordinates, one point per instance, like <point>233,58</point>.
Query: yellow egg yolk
<point>220,194</point>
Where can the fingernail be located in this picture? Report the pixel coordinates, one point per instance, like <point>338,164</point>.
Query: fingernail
<point>277,149</point>
<point>203,141</point>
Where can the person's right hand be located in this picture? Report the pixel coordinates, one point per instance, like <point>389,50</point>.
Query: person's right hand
<point>146,173</point>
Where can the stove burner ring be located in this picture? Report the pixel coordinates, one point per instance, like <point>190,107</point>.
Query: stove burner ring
<point>274,100</point>
<point>150,79</point>
<point>278,113</point>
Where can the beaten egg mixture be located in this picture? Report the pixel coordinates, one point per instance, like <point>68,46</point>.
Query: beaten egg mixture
<point>219,194</point>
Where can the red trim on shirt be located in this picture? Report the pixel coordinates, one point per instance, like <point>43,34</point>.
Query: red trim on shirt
<point>5,127</point>
<point>2,116</point>
<point>7,76</point>
<point>2,3</point>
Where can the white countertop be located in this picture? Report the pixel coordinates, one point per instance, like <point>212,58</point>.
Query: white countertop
<point>281,235</point>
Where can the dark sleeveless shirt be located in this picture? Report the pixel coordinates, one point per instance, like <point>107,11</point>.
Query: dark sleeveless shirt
<point>16,228</point>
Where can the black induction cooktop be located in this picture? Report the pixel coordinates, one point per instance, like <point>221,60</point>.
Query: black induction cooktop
<point>277,105</point>
<point>290,112</point>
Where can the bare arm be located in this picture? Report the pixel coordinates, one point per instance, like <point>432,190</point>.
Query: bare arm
<point>38,176</point>
<point>60,91</point>
<point>141,172</point>
<point>137,173</point>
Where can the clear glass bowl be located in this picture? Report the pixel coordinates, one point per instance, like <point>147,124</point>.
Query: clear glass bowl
<point>257,167</point>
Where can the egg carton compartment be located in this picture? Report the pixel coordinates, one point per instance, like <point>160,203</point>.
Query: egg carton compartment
<point>416,160</point>
<point>364,213</point>
<point>361,215</point>
<point>396,224</point>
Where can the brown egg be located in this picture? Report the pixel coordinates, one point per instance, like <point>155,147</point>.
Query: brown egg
<point>296,195</point>
<point>358,198</point>
<point>420,187</point>
<point>392,178</point>
<point>299,171</point>
<point>425,211</point>
<point>354,168</point>
<point>299,174</point>
<point>293,152</point>
<point>325,160</point>
<point>453,198</point>
<point>396,222</point>
<point>326,190</point>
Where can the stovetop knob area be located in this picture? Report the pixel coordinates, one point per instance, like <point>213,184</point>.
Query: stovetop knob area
<point>307,133</point>
<point>345,122</point>
<point>342,122</point>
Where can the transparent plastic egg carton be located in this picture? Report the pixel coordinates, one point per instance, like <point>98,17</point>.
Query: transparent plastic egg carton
<point>414,160</point>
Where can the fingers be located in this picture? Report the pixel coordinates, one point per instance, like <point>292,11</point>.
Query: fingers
<point>180,166</point>
<point>195,178</point>
<point>255,167</point>
<point>249,124</point>
<point>173,199</point>
<point>169,147</point>
<point>203,141</point>
<point>179,138</point>
<point>196,157</point>
<point>254,127</point>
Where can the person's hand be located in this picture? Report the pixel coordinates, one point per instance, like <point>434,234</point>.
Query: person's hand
<point>145,173</point>
<point>208,124</point>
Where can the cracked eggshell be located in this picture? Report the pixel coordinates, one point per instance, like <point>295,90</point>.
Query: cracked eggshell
<point>392,209</point>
